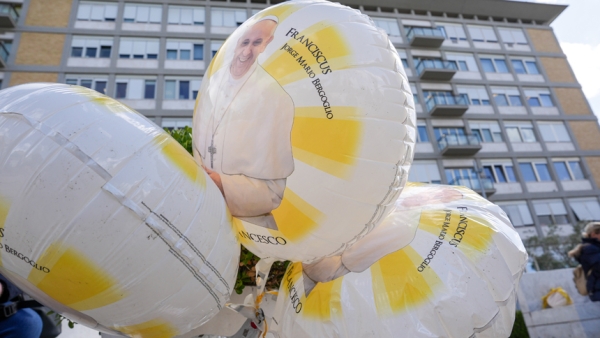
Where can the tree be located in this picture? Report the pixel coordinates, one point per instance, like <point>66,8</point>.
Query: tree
<point>550,252</point>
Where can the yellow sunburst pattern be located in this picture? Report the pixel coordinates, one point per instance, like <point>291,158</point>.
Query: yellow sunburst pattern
<point>155,328</point>
<point>178,156</point>
<point>398,286</point>
<point>71,278</point>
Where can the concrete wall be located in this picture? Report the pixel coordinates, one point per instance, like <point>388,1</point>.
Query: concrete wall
<point>581,319</point>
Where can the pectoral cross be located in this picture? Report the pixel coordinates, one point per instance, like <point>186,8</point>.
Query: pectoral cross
<point>212,150</point>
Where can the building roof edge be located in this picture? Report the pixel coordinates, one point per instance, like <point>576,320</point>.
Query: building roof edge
<point>540,12</point>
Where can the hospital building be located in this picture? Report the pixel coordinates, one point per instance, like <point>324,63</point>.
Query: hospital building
<point>498,107</point>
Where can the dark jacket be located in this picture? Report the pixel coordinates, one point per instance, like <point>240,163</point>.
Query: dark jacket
<point>590,260</point>
<point>9,291</point>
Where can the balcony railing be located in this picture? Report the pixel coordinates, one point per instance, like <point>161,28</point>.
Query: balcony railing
<point>463,145</point>
<point>436,69</point>
<point>474,183</point>
<point>424,31</point>
<point>435,64</point>
<point>446,100</point>
<point>425,36</point>
<point>8,16</point>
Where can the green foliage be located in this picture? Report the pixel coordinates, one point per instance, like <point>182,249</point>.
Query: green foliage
<point>246,272</point>
<point>183,136</point>
<point>550,252</point>
<point>58,318</point>
<point>519,329</point>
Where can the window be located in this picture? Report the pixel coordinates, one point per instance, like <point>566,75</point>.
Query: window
<point>181,89</point>
<point>185,50</point>
<point>512,36</point>
<point>135,89</point>
<point>477,95</point>
<point>424,172</point>
<point>98,84</point>
<point>525,66</point>
<point>96,11</point>
<point>227,17</point>
<point>520,132</point>
<point>568,170</point>
<point>482,34</point>
<point>89,47</point>
<point>390,26</point>
<point>214,47</point>
<point>517,212</point>
<point>493,64</point>
<point>535,171</point>
<point>507,96</point>
<point>464,62</point>
<point>142,13</point>
<point>422,135</point>
<point>551,212</point>
<point>539,97</point>
<point>486,131</point>
<point>439,132</point>
<point>403,57</point>
<point>172,123</point>
<point>453,32</point>
<point>585,209</point>
<point>554,132</point>
<point>131,48</point>
<point>500,173</point>
<point>185,15</point>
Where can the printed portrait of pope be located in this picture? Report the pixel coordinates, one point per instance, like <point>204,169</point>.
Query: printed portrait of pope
<point>244,122</point>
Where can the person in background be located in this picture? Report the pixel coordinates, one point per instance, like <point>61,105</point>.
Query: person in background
<point>588,255</point>
<point>14,322</point>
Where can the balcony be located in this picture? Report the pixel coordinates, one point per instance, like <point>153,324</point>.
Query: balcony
<point>436,69</point>
<point>459,145</point>
<point>3,55</point>
<point>425,37</point>
<point>447,105</point>
<point>8,16</point>
<point>476,184</point>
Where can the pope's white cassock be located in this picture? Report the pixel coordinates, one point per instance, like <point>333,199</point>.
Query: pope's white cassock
<point>244,128</point>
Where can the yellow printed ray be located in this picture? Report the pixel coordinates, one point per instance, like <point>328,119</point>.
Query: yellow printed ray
<point>177,155</point>
<point>74,279</point>
<point>105,101</point>
<point>330,145</point>
<point>295,217</point>
<point>4,208</point>
<point>155,328</point>
<point>398,286</point>
<point>477,237</point>
<point>324,301</point>
<point>287,68</point>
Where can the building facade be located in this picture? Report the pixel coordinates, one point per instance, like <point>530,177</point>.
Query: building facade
<point>499,109</point>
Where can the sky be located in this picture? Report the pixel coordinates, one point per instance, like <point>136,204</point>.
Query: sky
<point>578,32</point>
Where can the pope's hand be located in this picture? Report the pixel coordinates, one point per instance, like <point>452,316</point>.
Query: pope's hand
<point>216,178</point>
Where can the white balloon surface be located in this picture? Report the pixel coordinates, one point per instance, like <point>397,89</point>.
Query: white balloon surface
<point>106,218</point>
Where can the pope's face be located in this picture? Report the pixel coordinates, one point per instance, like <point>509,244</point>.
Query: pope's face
<point>250,45</point>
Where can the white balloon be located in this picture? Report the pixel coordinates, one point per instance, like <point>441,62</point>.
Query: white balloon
<point>106,218</point>
<point>307,116</point>
<point>454,273</point>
